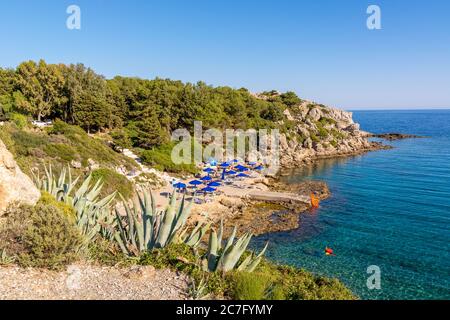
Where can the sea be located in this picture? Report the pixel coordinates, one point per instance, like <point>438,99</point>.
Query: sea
<point>388,218</point>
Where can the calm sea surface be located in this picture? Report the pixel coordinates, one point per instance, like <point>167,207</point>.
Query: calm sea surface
<point>388,208</point>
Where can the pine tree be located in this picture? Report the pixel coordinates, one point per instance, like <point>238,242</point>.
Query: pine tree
<point>149,130</point>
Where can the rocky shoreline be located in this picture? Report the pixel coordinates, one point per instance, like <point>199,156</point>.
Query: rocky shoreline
<point>261,217</point>
<point>339,136</point>
<point>320,132</point>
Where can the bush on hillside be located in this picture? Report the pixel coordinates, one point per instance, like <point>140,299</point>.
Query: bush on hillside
<point>161,159</point>
<point>62,151</point>
<point>250,286</point>
<point>113,181</point>
<point>41,236</point>
<point>18,119</point>
<point>48,200</point>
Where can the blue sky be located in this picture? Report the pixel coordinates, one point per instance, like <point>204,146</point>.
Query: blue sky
<point>320,49</point>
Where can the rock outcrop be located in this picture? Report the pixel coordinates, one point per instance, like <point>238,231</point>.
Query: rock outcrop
<point>321,132</point>
<point>15,186</point>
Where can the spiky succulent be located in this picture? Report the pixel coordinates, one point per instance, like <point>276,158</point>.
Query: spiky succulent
<point>143,227</point>
<point>226,259</point>
<point>93,214</point>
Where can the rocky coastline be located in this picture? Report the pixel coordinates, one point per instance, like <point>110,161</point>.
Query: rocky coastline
<point>339,135</point>
<point>316,132</point>
<point>320,132</point>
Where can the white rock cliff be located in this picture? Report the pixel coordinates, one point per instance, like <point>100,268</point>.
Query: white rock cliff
<point>15,186</point>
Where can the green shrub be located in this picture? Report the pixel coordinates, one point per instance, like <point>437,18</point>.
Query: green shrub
<point>250,286</point>
<point>113,181</point>
<point>19,120</point>
<point>334,143</point>
<point>314,138</point>
<point>297,284</point>
<point>161,159</point>
<point>121,138</point>
<point>323,133</point>
<point>5,136</point>
<point>326,121</point>
<point>338,134</point>
<point>25,141</point>
<point>60,127</point>
<point>48,200</point>
<point>276,292</point>
<point>62,151</point>
<point>40,236</point>
<point>107,253</point>
<point>86,147</point>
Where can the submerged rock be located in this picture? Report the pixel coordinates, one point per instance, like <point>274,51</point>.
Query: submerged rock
<point>394,136</point>
<point>15,186</point>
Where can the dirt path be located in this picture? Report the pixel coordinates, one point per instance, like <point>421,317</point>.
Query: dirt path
<point>83,282</point>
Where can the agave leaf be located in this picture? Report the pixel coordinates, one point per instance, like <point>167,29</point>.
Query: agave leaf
<point>197,235</point>
<point>121,243</point>
<point>232,256</point>
<point>106,201</point>
<point>166,224</point>
<point>247,261</point>
<point>212,251</point>
<point>95,190</point>
<point>220,235</point>
<point>84,187</point>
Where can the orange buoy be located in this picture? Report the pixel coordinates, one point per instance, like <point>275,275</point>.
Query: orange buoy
<point>329,251</point>
<point>314,201</point>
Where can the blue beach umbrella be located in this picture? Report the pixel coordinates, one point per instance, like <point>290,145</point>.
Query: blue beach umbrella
<point>179,185</point>
<point>242,175</point>
<point>241,168</point>
<point>206,178</point>
<point>230,172</point>
<point>195,182</point>
<point>252,163</point>
<point>208,189</point>
<point>224,164</point>
<point>208,170</point>
<point>258,168</point>
<point>214,184</point>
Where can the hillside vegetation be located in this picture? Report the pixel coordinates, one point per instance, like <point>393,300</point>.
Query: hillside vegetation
<point>62,146</point>
<point>135,112</point>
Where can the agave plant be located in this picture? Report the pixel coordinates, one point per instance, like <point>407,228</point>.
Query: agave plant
<point>198,291</point>
<point>56,186</point>
<point>225,259</point>
<point>5,259</point>
<point>93,214</point>
<point>144,228</point>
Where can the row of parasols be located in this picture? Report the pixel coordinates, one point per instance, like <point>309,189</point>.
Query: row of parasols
<point>229,170</point>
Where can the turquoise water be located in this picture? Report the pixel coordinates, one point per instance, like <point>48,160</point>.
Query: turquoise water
<point>388,208</point>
